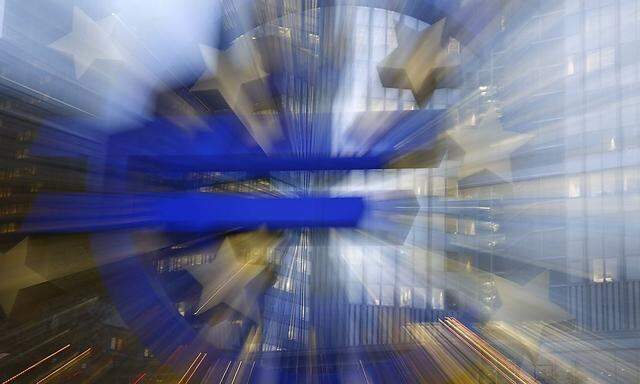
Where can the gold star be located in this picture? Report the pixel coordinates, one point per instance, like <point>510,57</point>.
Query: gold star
<point>88,41</point>
<point>228,72</point>
<point>15,275</point>
<point>236,265</point>
<point>526,310</point>
<point>418,63</point>
<point>487,147</point>
<point>527,303</point>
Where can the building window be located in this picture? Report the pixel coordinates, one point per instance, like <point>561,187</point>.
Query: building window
<point>631,180</point>
<point>437,298</point>
<point>373,295</point>
<point>8,228</point>
<point>182,308</point>
<point>451,225</point>
<point>454,46</point>
<point>604,270</point>
<point>405,296</point>
<point>420,297</point>
<point>571,66</point>
<point>387,294</point>
<point>573,187</point>
<point>116,344</point>
<point>469,227</point>
<point>633,268</point>
<point>575,271</point>
<point>595,184</point>
<point>354,292</point>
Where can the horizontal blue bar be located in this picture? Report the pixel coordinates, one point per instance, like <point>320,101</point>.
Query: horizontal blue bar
<point>188,212</point>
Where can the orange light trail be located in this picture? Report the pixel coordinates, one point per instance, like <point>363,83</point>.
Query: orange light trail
<point>199,361</point>
<point>35,365</point>
<point>493,357</point>
<point>66,365</point>
<point>196,368</point>
<point>233,380</point>
<point>139,379</point>
<point>224,375</point>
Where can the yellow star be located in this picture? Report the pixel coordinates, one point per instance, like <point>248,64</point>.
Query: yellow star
<point>487,146</point>
<point>225,280</point>
<point>527,303</point>
<point>15,275</point>
<point>418,63</point>
<point>227,72</point>
<point>524,313</point>
<point>88,41</point>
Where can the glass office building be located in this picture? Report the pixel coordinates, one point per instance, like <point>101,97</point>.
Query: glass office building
<point>499,178</point>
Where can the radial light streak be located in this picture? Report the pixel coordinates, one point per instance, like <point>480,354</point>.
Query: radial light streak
<point>224,374</point>
<point>457,182</point>
<point>460,354</point>
<point>526,339</point>
<point>230,279</point>
<point>204,355</point>
<point>197,359</point>
<point>35,365</point>
<point>233,380</point>
<point>139,378</point>
<point>509,370</point>
<point>66,365</point>
<point>364,373</point>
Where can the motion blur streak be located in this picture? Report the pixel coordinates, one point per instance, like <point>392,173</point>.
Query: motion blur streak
<point>192,369</point>
<point>66,365</point>
<point>319,191</point>
<point>139,379</point>
<point>14,377</point>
